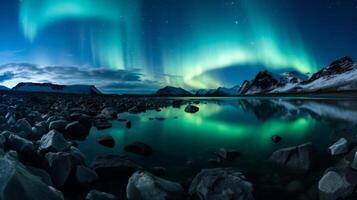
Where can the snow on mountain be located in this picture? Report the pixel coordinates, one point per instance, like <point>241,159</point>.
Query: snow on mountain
<point>168,90</point>
<point>54,88</point>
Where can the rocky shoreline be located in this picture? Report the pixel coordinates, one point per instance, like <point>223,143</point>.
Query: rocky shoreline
<point>40,159</point>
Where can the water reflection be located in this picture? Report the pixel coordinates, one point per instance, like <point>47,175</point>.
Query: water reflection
<point>244,124</point>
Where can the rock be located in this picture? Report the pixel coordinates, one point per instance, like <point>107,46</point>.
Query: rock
<point>339,147</point>
<point>221,183</point>
<point>39,130</point>
<point>85,176</point>
<point>276,138</point>
<point>22,125</point>
<point>228,155</point>
<point>354,162</point>
<point>16,182</point>
<point>144,186</point>
<point>102,124</point>
<point>61,165</point>
<point>96,195</point>
<point>45,177</point>
<point>191,109</point>
<point>128,124</point>
<point>139,148</point>
<point>334,186</point>
<point>58,125</point>
<point>109,113</point>
<point>106,140</point>
<point>53,142</point>
<point>76,130</point>
<point>298,157</point>
<point>20,144</point>
<point>112,166</point>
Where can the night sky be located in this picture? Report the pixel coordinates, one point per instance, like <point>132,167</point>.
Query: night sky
<point>135,46</point>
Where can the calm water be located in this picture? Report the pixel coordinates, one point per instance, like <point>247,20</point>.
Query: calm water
<point>243,124</point>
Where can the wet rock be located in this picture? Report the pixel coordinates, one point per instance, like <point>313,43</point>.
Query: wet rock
<point>45,177</point>
<point>109,113</point>
<point>22,125</point>
<point>191,109</point>
<point>128,124</point>
<point>227,154</point>
<point>160,118</point>
<point>334,186</point>
<point>102,124</point>
<point>61,165</point>
<point>58,125</point>
<point>354,162</point>
<point>221,183</point>
<point>106,140</point>
<point>276,138</point>
<point>111,166</point>
<point>339,147</point>
<point>139,148</point>
<point>298,157</point>
<point>20,144</point>
<point>39,130</point>
<point>16,182</point>
<point>96,195</point>
<point>53,142</point>
<point>85,176</point>
<point>76,130</point>
<point>145,186</point>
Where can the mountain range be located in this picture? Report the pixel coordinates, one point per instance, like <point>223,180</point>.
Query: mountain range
<point>55,88</point>
<point>339,76</point>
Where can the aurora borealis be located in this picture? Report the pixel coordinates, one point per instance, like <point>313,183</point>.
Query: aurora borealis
<point>187,43</point>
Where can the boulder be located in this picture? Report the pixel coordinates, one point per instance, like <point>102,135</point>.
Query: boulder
<point>76,130</point>
<point>85,176</point>
<point>53,142</point>
<point>22,125</point>
<point>111,166</point>
<point>106,140</point>
<point>354,162</point>
<point>39,130</point>
<point>191,109</point>
<point>20,144</point>
<point>339,147</point>
<point>221,183</point>
<point>45,177</point>
<point>276,138</point>
<point>109,113</point>
<point>227,154</point>
<point>128,124</point>
<point>334,186</point>
<point>96,195</point>
<point>58,125</point>
<point>139,148</point>
<point>61,165</point>
<point>16,182</point>
<point>145,186</point>
<point>298,157</point>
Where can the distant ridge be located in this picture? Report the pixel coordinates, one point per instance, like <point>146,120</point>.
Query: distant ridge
<point>3,88</point>
<point>54,88</point>
<point>173,91</point>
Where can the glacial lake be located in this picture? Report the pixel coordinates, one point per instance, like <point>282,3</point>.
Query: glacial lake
<point>244,124</point>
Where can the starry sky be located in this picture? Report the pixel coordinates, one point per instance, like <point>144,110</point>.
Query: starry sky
<point>137,46</point>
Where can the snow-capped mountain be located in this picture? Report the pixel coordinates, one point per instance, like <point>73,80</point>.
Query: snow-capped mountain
<point>175,91</point>
<point>3,88</point>
<point>54,88</point>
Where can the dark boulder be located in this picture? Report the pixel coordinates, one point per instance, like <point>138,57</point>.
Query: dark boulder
<point>53,142</point>
<point>298,157</point>
<point>227,154</point>
<point>191,109</point>
<point>145,186</point>
<point>76,130</point>
<point>221,183</point>
<point>139,148</point>
<point>96,195</point>
<point>85,176</point>
<point>106,140</point>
